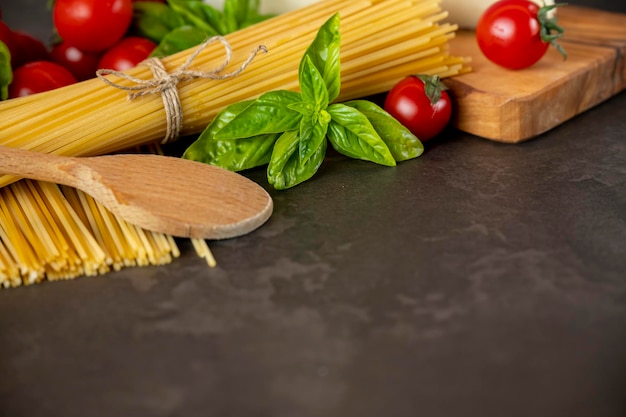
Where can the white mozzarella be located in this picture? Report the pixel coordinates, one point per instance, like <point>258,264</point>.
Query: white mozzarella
<point>465,13</point>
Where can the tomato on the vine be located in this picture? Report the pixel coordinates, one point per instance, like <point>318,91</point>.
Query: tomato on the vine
<point>515,34</point>
<point>127,54</point>
<point>92,25</point>
<point>37,77</point>
<point>83,65</point>
<point>422,104</point>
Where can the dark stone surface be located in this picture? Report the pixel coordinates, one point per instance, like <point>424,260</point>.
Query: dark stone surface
<point>479,280</point>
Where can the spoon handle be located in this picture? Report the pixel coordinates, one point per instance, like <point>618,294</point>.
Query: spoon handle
<point>39,166</point>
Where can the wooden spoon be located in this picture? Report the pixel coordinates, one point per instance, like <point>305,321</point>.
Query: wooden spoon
<point>159,193</point>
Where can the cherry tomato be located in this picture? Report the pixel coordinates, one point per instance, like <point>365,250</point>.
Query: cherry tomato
<point>6,36</point>
<point>37,77</point>
<point>82,65</point>
<point>515,34</point>
<point>92,25</point>
<point>30,49</point>
<point>422,104</point>
<point>127,54</point>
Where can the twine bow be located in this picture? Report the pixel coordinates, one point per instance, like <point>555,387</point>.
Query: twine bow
<point>166,83</point>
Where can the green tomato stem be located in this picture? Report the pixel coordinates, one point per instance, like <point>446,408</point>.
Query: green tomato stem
<point>550,29</point>
<point>433,87</point>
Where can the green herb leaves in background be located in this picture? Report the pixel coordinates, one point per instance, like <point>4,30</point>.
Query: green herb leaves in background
<point>183,24</point>
<point>290,132</point>
<point>6,73</point>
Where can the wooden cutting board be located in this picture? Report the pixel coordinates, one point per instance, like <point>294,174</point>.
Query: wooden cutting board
<point>514,106</point>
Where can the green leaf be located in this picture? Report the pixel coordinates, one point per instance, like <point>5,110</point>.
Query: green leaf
<point>154,20</point>
<point>234,10</point>
<point>178,40</point>
<point>241,13</point>
<point>6,73</point>
<point>304,108</point>
<point>270,113</point>
<point>285,169</point>
<point>200,15</point>
<point>255,18</point>
<point>313,128</point>
<point>324,53</point>
<point>352,134</point>
<point>312,85</point>
<point>402,144</point>
<point>234,155</point>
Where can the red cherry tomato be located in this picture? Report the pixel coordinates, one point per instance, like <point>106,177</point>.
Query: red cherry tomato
<point>422,104</point>
<point>127,54</point>
<point>82,65</point>
<point>509,33</point>
<point>30,49</point>
<point>92,25</point>
<point>6,36</point>
<point>37,77</point>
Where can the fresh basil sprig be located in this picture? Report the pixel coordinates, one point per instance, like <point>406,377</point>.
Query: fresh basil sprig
<point>183,24</point>
<point>6,73</point>
<point>290,131</point>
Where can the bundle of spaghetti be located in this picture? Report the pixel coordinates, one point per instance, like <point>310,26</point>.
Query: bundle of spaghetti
<point>382,41</point>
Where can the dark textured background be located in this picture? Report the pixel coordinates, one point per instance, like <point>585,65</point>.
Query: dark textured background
<point>481,280</point>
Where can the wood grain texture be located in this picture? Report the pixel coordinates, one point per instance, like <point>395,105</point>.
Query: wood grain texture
<point>158,193</point>
<point>514,106</point>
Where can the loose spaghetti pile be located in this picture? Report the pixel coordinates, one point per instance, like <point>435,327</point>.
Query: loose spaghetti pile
<point>382,41</point>
<point>50,232</point>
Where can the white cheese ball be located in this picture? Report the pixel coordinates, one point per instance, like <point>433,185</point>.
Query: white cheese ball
<point>271,6</point>
<point>466,13</point>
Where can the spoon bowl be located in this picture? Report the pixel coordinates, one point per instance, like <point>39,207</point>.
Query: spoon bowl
<point>162,194</point>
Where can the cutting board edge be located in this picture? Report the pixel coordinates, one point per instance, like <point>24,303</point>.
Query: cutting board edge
<point>509,116</point>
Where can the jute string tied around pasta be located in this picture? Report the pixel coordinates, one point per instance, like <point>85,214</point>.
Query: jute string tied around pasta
<point>166,83</point>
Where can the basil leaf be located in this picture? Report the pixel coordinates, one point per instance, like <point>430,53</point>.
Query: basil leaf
<point>154,20</point>
<point>234,10</point>
<point>254,18</point>
<point>6,73</point>
<point>303,107</point>
<point>200,15</point>
<point>285,169</point>
<point>235,155</point>
<point>242,13</point>
<point>312,85</point>
<point>178,40</point>
<point>402,144</point>
<point>352,134</point>
<point>313,128</point>
<point>270,113</point>
<point>324,53</point>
